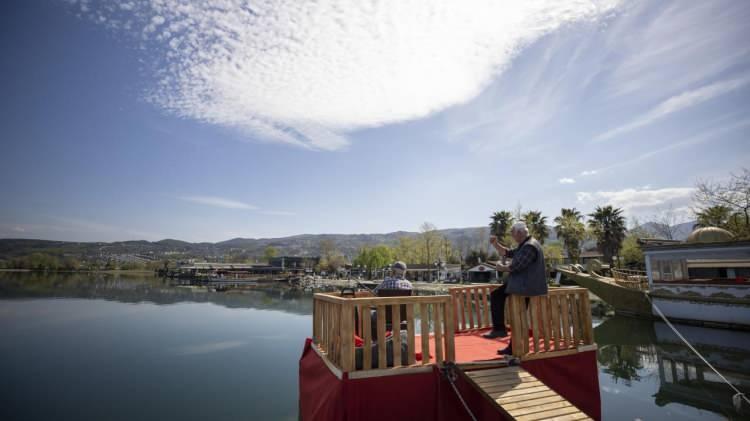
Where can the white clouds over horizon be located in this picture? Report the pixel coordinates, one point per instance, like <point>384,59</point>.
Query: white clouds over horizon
<point>219,202</point>
<point>566,181</point>
<point>308,74</point>
<point>638,200</point>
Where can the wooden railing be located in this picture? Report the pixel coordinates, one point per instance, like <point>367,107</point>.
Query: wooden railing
<point>628,278</point>
<point>552,325</point>
<point>471,306</point>
<point>336,319</point>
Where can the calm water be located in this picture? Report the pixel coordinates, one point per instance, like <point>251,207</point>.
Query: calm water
<point>103,347</point>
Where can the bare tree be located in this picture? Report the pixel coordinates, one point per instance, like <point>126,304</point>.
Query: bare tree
<point>665,222</point>
<point>733,193</point>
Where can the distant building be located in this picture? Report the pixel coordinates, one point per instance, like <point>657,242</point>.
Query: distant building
<point>482,273</point>
<point>295,263</point>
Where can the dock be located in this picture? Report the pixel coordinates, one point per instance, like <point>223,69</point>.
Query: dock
<point>520,396</point>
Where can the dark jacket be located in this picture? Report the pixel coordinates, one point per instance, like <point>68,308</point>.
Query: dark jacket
<point>530,279</point>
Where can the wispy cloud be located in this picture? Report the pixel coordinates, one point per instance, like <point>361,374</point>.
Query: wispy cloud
<point>588,173</point>
<point>219,202</point>
<point>309,73</point>
<point>630,199</point>
<point>566,181</point>
<point>278,213</point>
<point>675,104</point>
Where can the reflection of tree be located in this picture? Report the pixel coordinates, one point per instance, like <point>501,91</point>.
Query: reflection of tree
<point>621,361</point>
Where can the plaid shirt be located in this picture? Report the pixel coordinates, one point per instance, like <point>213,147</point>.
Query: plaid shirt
<point>394,283</point>
<point>522,256</point>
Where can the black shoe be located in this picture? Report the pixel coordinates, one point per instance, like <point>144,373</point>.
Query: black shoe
<point>495,334</point>
<point>505,351</point>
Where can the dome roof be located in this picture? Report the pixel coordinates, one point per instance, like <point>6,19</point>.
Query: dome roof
<point>709,235</point>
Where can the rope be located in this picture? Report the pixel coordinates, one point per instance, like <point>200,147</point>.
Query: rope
<point>450,373</point>
<point>738,396</point>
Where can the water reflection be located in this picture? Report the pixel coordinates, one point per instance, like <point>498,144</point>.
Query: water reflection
<point>643,354</point>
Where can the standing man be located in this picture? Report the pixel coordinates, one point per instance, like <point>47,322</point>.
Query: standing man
<point>528,276</point>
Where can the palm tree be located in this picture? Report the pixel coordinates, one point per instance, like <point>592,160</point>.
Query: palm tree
<point>608,226</point>
<point>537,225</point>
<point>500,225</point>
<point>571,230</point>
<point>714,216</point>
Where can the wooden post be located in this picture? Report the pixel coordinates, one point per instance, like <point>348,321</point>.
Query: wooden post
<point>396,328</point>
<point>535,322</point>
<point>437,312</point>
<point>485,303</point>
<point>410,332</point>
<point>516,326</point>
<point>450,328</point>
<point>367,334</point>
<point>575,312</point>
<point>565,310</point>
<point>347,337</point>
<point>425,334</point>
<point>588,328</point>
<point>382,355</point>
<point>470,306</point>
<point>460,309</point>
<point>316,321</point>
<point>545,331</point>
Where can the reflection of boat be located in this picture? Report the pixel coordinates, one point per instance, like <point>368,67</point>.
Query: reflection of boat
<point>630,347</point>
<point>705,280</point>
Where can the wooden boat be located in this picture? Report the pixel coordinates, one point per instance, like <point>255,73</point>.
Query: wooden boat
<point>439,367</point>
<point>705,280</point>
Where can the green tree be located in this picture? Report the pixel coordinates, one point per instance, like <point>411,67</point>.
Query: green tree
<point>476,257</point>
<point>430,239</point>
<point>269,253</point>
<point>571,230</point>
<point>608,228</point>
<point>537,225</point>
<point>734,194</point>
<point>631,253</point>
<point>553,255</point>
<point>374,257</point>
<point>713,216</point>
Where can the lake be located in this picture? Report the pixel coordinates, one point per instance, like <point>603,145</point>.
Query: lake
<point>93,347</point>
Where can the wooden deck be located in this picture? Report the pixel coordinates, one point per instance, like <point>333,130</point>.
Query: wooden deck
<point>521,396</point>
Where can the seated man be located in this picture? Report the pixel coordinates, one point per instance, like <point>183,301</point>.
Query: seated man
<point>528,276</point>
<point>394,285</point>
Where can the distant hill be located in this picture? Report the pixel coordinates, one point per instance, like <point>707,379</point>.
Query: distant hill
<point>463,239</point>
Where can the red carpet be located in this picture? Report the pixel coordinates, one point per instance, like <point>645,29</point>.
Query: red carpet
<point>471,346</point>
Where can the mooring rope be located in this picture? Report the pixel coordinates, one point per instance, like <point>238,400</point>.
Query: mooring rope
<point>449,371</point>
<point>738,396</point>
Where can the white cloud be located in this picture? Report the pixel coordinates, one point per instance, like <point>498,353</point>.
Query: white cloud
<point>632,199</point>
<point>278,213</point>
<point>588,172</point>
<point>675,104</point>
<point>219,202</point>
<point>566,181</point>
<point>309,73</point>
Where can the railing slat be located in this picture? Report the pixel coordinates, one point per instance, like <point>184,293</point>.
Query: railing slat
<point>410,328</point>
<point>425,333</point>
<point>544,317</point>
<point>588,328</point>
<point>382,347</point>
<point>574,312</point>
<point>485,306</point>
<point>437,318</point>
<point>450,329</point>
<point>519,334</point>
<point>396,326</point>
<point>470,306</point>
<point>367,334</point>
<point>564,311</point>
<point>347,337</point>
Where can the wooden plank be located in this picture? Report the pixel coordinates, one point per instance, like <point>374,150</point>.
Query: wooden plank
<point>491,381</point>
<point>460,310</point>
<point>518,392</point>
<point>576,316</point>
<point>450,345</point>
<point>564,311</point>
<point>514,387</point>
<point>533,402</point>
<point>518,334</point>
<point>550,354</point>
<point>535,322</point>
<point>437,312</point>
<point>470,306</point>
<point>540,408</point>
<point>544,317</point>
<point>410,329</point>
<point>396,322</point>
<point>548,414</point>
<point>486,307</point>
<point>347,337</point>
<point>521,301</point>
<point>554,305</point>
<point>494,371</point>
<point>367,335</point>
<point>588,327</point>
<point>316,322</point>
<point>382,355</point>
<point>571,417</point>
<point>425,333</point>
<point>526,397</point>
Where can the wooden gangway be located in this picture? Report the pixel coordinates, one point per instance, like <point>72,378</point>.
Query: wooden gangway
<point>521,396</point>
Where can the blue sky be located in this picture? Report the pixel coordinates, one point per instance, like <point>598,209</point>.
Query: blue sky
<point>166,119</point>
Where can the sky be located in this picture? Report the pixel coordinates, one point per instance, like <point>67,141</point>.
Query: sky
<point>205,121</point>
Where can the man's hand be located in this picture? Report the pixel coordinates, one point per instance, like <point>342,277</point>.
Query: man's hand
<point>499,247</point>
<point>502,268</point>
